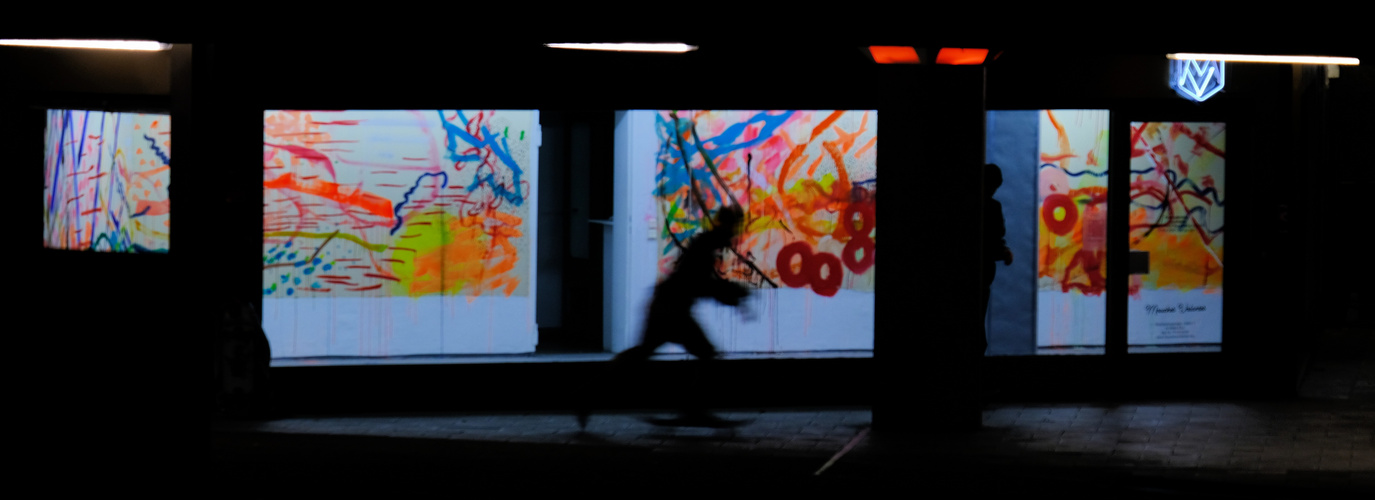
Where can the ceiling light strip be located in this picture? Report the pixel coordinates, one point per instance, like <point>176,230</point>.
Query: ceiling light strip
<point>1349,61</point>
<point>626,47</point>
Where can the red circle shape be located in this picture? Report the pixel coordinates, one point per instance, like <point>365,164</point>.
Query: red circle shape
<point>866,218</point>
<point>1060,227</point>
<point>848,255</point>
<point>785,264</point>
<point>829,285</point>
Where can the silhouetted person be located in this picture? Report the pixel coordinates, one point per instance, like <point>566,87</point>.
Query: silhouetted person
<point>694,277</point>
<point>995,247</point>
<point>670,320</point>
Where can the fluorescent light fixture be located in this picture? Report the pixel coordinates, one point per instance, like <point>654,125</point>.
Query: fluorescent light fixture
<point>626,47</point>
<point>91,44</point>
<point>1350,61</point>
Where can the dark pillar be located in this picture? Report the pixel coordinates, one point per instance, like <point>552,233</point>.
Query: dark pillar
<point>928,304</point>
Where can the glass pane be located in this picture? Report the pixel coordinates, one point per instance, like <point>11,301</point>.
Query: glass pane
<point>1175,289</point>
<point>398,232</point>
<point>106,179</point>
<point>1053,202</point>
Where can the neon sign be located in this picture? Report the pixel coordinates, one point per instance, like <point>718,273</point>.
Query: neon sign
<point>1197,79</point>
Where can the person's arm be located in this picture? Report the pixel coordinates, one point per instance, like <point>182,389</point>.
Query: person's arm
<point>728,292</point>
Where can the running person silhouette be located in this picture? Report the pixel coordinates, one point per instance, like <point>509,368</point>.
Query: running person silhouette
<point>670,320</point>
<point>694,277</point>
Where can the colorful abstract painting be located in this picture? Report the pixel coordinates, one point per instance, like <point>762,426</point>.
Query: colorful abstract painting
<point>396,203</point>
<point>1177,208</point>
<point>106,179</point>
<point>1072,206</point>
<point>805,179</point>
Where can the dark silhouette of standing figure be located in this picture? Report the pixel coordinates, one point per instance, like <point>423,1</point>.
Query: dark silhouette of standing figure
<point>995,246</point>
<point>695,276</point>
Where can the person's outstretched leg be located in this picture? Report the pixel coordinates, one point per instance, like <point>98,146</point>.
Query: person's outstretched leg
<point>694,409</point>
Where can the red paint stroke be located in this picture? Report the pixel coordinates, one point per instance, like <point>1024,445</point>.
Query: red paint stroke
<point>336,122</point>
<point>411,235</point>
<point>150,208</point>
<point>359,289</point>
<point>419,224</point>
<point>99,175</point>
<point>829,285</point>
<point>1136,137</point>
<point>1047,158</point>
<point>398,261</point>
<point>374,204</point>
<point>412,250</point>
<point>347,260</point>
<point>271,168</point>
<point>309,177</point>
<point>334,276</point>
<point>327,142</point>
<point>1060,227</point>
<point>359,267</point>
<point>91,211</point>
<point>820,128</point>
<point>391,185</point>
<point>1199,137</point>
<point>785,267</point>
<point>383,276</point>
<point>315,289</point>
<point>414,159</point>
<point>383,171</point>
<point>307,153</point>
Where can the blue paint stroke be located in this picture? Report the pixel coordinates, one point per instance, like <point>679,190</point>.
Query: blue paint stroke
<point>52,202</point>
<point>502,150</point>
<point>153,143</point>
<point>142,249</point>
<point>141,212</point>
<point>672,179</point>
<point>76,165</point>
<point>1178,186</point>
<point>407,197</point>
<point>99,156</point>
<point>117,187</point>
<point>1076,174</point>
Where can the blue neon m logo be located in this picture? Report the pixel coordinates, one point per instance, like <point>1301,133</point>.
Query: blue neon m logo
<point>1197,80</point>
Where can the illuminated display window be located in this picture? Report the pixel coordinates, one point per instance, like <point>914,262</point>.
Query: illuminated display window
<point>1176,236</point>
<point>1053,201</point>
<point>106,181</point>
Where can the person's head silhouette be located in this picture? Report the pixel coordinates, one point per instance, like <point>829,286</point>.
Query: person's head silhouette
<point>993,178</point>
<point>728,220</point>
